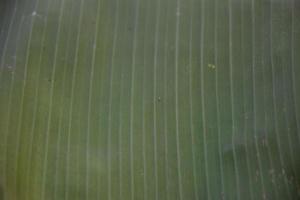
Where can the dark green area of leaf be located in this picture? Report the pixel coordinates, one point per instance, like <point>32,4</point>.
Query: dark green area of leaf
<point>149,99</point>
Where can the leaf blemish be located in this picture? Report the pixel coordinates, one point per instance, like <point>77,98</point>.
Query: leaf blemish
<point>212,66</point>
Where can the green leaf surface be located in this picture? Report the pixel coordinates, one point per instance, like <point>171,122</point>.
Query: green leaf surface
<point>149,99</point>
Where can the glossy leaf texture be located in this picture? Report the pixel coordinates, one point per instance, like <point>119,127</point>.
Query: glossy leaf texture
<point>149,99</point>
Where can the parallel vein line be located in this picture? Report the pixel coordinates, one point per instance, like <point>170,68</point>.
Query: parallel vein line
<point>293,70</point>
<point>218,99</point>
<point>49,117</point>
<point>207,182</point>
<point>176,99</point>
<point>254,95</point>
<point>244,105</point>
<point>35,109</point>
<point>236,169</point>
<point>285,106</point>
<point>165,103</point>
<point>144,142</point>
<point>132,92</point>
<point>114,47</point>
<point>60,123</point>
<point>20,117</point>
<point>70,121</point>
<point>91,86</point>
<point>155,98</point>
<point>11,88</point>
<point>274,100</point>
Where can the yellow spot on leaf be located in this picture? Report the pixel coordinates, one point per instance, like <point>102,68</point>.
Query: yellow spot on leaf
<point>212,66</point>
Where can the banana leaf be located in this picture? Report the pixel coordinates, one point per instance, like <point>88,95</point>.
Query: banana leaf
<point>149,99</point>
